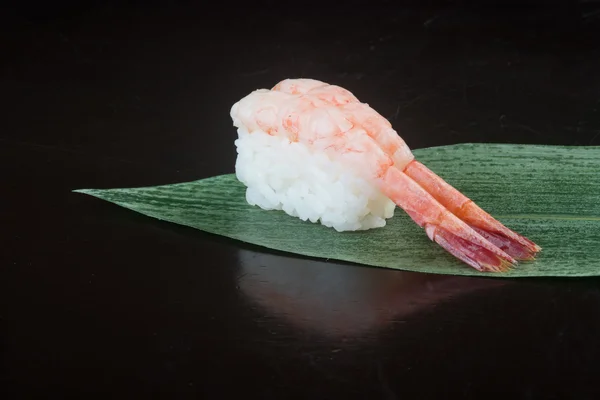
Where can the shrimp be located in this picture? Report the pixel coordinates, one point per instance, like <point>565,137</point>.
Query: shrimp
<point>330,119</point>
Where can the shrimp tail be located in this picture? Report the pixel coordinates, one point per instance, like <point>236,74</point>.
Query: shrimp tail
<point>443,227</point>
<point>514,244</point>
<point>473,253</point>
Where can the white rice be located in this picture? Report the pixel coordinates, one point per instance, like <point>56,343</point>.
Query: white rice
<point>284,175</point>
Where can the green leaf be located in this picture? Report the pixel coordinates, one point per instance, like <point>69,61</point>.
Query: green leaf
<point>550,194</point>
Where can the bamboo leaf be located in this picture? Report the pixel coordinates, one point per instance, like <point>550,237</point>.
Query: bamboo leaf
<point>550,194</point>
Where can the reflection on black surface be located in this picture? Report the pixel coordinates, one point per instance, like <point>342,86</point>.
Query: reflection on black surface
<point>344,300</point>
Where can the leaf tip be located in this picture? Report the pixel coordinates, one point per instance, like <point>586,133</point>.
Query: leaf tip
<point>89,192</point>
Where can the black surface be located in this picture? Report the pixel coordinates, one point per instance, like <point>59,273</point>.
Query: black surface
<point>99,302</point>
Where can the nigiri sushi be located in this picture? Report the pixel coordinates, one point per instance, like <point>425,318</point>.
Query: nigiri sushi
<point>316,152</point>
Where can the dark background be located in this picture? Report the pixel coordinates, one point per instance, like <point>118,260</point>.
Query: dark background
<point>100,302</point>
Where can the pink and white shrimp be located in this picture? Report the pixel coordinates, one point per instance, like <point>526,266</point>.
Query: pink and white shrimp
<point>329,119</point>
